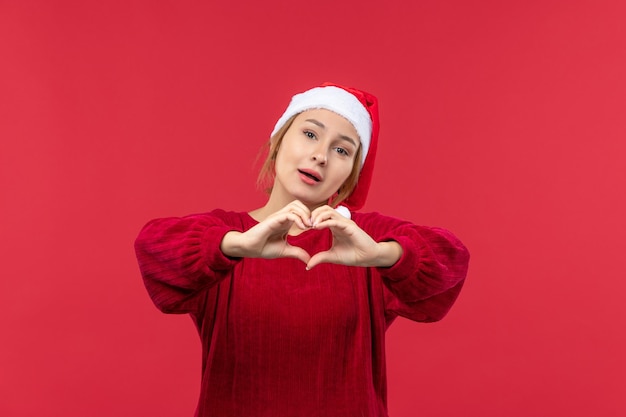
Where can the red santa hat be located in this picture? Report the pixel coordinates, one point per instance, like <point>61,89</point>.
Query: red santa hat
<point>361,110</point>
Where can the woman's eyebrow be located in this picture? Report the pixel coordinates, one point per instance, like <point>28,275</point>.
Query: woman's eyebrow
<point>343,137</point>
<point>316,122</point>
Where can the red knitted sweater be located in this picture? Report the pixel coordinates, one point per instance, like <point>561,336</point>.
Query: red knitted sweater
<point>278,340</point>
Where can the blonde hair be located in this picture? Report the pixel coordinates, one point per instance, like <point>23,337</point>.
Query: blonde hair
<point>268,172</point>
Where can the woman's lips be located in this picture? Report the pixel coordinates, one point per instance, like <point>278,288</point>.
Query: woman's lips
<point>309,176</point>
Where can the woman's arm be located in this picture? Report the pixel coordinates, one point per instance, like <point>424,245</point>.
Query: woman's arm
<point>180,257</point>
<point>427,278</point>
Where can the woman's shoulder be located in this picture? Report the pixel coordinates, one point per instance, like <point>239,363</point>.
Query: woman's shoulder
<point>376,223</point>
<point>374,216</point>
<point>231,217</point>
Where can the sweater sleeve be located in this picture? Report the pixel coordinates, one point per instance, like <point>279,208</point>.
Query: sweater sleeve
<point>427,279</point>
<point>179,258</point>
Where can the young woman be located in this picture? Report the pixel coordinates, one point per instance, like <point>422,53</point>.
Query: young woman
<point>292,300</point>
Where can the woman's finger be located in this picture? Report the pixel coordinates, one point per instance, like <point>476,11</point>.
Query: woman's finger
<point>324,213</point>
<point>319,258</point>
<point>299,209</point>
<point>296,218</point>
<point>332,224</point>
<point>297,253</point>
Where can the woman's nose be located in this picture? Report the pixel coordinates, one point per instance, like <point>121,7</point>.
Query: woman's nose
<point>319,156</point>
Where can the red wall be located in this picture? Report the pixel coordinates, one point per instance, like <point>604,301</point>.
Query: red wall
<point>502,121</point>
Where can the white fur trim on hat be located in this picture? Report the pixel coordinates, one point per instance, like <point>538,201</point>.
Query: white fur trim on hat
<point>336,100</point>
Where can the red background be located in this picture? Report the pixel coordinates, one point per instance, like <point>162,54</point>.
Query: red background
<point>502,121</point>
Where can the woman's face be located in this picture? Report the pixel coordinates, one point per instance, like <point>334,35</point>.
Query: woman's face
<point>315,157</point>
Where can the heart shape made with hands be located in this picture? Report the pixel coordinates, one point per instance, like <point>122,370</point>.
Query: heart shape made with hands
<point>306,247</point>
<point>357,249</point>
<point>350,246</point>
<point>270,238</point>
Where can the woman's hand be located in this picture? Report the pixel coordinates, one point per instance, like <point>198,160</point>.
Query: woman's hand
<point>268,239</point>
<point>351,245</point>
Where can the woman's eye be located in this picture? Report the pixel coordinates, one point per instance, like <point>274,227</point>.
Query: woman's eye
<point>342,151</point>
<point>309,134</point>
